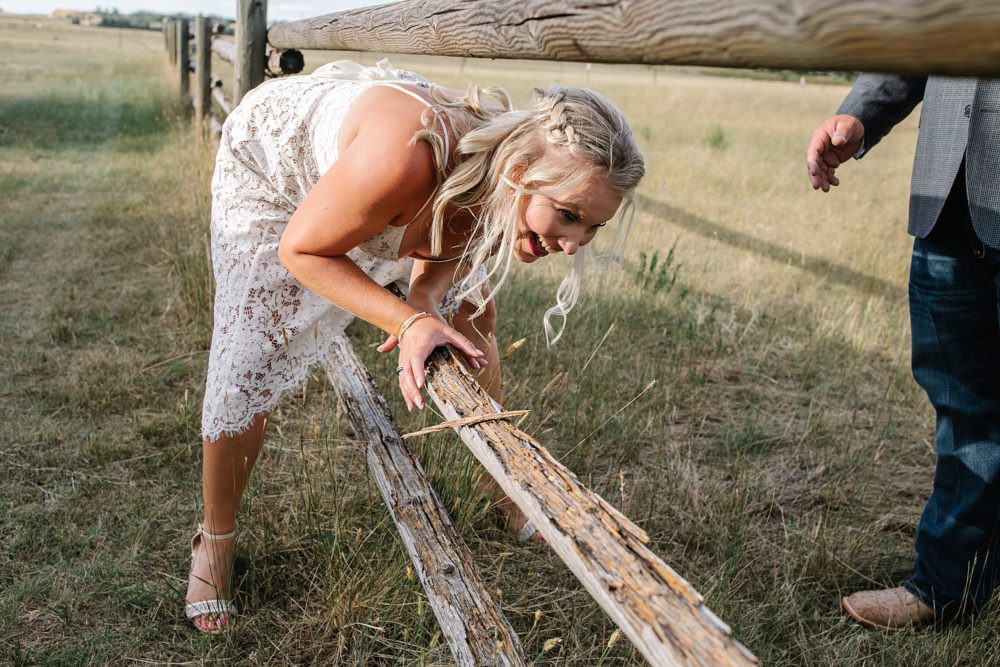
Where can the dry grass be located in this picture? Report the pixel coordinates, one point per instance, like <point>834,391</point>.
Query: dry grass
<point>780,460</point>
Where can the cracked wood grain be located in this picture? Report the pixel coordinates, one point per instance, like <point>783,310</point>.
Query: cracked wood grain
<point>663,616</point>
<point>956,37</point>
<point>472,622</point>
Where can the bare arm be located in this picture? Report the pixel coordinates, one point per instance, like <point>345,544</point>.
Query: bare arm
<point>429,283</point>
<point>378,179</point>
<point>876,103</point>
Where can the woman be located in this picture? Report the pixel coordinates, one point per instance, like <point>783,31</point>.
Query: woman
<point>331,186</point>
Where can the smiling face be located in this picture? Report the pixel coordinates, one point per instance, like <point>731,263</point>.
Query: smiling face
<point>564,219</point>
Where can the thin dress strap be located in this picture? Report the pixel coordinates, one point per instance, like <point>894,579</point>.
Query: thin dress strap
<point>444,133</point>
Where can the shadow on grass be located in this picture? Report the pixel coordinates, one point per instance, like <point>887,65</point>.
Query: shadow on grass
<point>84,119</point>
<point>744,443</point>
<point>817,266</point>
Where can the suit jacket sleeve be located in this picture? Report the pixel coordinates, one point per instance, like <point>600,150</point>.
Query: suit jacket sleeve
<point>880,101</point>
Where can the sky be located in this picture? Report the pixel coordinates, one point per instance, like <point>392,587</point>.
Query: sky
<point>276,10</point>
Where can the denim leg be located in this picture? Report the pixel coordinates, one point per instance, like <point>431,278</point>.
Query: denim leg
<point>956,359</point>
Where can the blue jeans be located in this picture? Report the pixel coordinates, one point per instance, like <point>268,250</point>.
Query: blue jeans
<point>954,284</point>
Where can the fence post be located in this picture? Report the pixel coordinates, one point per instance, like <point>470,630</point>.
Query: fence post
<point>183,61</point>
<point>171,27</point>
<point>203,69</point>
<point>251,43</point>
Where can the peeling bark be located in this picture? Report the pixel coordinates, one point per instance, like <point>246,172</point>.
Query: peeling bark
<point>663,616</point>
<point>472,622</point>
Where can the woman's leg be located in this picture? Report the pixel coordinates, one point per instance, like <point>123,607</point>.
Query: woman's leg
<point>226,467</point>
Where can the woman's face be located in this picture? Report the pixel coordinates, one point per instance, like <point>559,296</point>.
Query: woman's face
<point>564,220</point>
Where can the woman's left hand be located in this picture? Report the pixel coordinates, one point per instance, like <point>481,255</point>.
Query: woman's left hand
<point>392,342</point>
<point>420,340</point>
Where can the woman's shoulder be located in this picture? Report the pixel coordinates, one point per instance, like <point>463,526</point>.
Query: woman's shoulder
<point>385,110</point>
<point>376,142</point>
<point>400,109</point>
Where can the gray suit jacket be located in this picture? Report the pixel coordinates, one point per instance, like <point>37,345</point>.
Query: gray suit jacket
<point>960,117</point>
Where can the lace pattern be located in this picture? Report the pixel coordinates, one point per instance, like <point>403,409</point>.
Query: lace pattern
<point>268,328</point>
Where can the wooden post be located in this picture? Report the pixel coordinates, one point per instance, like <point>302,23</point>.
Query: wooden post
<point>663,616</point>
<point>183,62</point>
<point>251,43</point>
<point>473,624</point>
<point>171,37</point>
<point>911,36</point>
<point>203,69</point>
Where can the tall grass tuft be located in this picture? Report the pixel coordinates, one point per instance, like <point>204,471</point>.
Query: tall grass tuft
<point>715,138</point>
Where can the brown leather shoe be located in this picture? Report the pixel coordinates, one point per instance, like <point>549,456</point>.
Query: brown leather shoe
<point>890,609</point>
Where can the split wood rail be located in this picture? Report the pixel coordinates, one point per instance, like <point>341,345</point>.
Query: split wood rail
<point>666,619</point>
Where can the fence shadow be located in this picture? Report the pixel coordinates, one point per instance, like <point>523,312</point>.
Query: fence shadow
<point>837,273</point>
<point>81,119</point>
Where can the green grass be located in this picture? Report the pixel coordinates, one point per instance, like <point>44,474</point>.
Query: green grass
<point>740,389</point>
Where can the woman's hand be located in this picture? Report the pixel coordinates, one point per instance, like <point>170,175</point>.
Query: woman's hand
<point>419,304</point>
<point>419,341</point>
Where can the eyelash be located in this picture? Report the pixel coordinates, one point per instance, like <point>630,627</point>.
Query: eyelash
<point>569,216</point>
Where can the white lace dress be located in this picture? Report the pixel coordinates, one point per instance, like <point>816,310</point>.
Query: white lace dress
<point>268,328</point>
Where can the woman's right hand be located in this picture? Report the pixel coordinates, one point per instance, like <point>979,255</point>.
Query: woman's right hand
<point>419,341</point>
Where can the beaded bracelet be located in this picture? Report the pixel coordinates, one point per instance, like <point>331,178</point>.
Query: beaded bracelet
<point>408,322</point>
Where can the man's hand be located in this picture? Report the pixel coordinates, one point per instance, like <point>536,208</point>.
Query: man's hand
<point>833,143</point>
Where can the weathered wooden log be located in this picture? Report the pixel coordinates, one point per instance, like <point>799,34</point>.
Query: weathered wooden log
<point>203,69</point>
<point>220,98</point>
<point>183,59</point>
<point>472,622</point>
<point>225,49</point>
<point>665,618</point>
<point>251,44</point>
<point>282,62</point>
<point>912,36</point>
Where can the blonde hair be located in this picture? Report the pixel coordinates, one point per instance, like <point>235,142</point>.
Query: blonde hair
<point>562,130</point>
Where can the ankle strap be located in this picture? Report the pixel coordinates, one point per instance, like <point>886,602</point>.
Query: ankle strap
<point>213,537</point>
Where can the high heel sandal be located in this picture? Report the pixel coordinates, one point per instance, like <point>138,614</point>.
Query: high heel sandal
<point>222,608</point>
<point>530,534</point>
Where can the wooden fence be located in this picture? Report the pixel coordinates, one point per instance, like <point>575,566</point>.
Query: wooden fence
<point>662,615</point>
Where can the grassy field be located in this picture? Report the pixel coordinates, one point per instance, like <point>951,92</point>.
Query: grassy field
<point>780,460</point>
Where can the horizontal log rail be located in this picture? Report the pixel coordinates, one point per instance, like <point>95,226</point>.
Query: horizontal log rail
<point>907,36</point>
<point>282,62</point>
<point>225,49</point>
<point>225,106</point>
<point>663,616</point>
<point>476,630</point>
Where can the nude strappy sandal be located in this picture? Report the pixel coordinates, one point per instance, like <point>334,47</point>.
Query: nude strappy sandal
<point>218,606</point>
<point>529,533</point>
